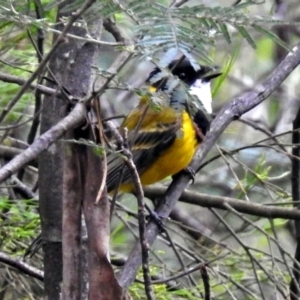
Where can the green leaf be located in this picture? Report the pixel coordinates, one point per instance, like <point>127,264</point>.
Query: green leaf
<point>225,32</point>
<point>246,35</point>
<point>272,36</point>
<point>226,68</point>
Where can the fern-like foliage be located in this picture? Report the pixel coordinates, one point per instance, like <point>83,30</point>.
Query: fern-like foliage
<point>190,29</point>
<point>159,26</point>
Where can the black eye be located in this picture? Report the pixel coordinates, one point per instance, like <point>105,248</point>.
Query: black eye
<point>182,75</point>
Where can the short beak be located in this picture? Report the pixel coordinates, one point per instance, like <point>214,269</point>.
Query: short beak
<point>211,76</point>
<point>210,73</point>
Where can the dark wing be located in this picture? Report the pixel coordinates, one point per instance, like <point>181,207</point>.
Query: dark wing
<point>147,145</point>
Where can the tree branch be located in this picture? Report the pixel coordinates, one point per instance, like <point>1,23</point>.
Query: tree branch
<point>20,81</point>
<point>250,208</point>
<point>21,266</point>
<point>44,141</point>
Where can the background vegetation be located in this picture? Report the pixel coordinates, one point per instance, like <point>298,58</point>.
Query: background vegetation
<point>232,234</point>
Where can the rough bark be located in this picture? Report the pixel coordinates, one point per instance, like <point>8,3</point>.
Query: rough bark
<point>71,66</point>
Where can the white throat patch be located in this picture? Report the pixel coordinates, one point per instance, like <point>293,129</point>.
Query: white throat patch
<point>203,91</point>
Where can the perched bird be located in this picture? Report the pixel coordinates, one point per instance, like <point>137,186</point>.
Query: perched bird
<point>163,138</point>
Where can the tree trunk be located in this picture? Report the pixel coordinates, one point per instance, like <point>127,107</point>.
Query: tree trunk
<point>71,66</point>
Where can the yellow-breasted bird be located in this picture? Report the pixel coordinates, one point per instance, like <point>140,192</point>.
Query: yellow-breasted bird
<point>163,138</point>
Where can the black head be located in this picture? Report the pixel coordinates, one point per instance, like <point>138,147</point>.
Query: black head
<point>186,72</point>
<point>183,69</point>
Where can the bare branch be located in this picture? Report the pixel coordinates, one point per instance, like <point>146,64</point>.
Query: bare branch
<point>23,189</point>
<point>21,266</point>
<point>44,141</point>
<point>20,81</point>
<point>111,27</point>
<point>141,218</point>
<point>139,193</point>
<point>246,207</point>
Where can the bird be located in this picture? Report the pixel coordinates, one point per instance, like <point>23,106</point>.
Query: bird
<point>164,138</point>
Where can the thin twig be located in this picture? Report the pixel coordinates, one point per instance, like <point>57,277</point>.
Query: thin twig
<point>270,238</point>
<point>254,145</point>
<point>294,284</point>
<point>253,260</point>
<point>169,239</point>
<point>191,270</point>
<point>20,81</point>
<point>205,279</point>
<point>139,193</point>
<point>119,143</point>
<point>96,103</point>
<point>87,39</point>
<point>266,131</point>
<point>39,48</point>
<point>21,266</point>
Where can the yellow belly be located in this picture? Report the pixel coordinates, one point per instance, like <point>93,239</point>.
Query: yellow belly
<point>172,160</point>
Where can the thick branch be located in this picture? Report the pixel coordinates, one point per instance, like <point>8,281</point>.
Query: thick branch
<point>204,200</point>
<point>76,116</point>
